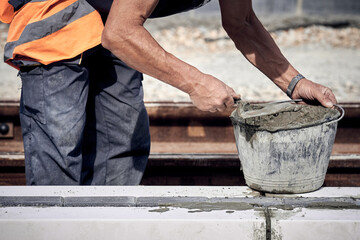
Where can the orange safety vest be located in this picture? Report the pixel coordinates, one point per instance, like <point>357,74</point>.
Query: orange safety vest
<point>47,31</point>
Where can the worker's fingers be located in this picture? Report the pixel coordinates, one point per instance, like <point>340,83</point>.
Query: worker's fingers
<point>325,96</point>
<point>222,106</point>
<point>331,96</point>
<point>310,92</point>
<point>226,103</point>
<point>232,92</point>
<point>229,102</point>
<point>234,96</point>
<point>213,96</point>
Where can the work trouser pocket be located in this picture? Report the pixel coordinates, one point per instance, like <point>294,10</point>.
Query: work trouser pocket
<point>32,94</point>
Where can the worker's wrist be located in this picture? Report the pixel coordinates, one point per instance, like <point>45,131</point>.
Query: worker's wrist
<point>295,80</point>
<point>192,82</point>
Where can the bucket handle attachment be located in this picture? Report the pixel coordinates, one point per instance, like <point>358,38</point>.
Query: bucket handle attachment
<point>341,116</point>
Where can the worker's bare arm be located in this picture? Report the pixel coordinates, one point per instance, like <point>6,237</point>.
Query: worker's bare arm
<point>126,37</point>
<point>256,44</point>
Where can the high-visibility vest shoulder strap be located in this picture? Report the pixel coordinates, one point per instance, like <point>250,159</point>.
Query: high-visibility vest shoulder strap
<point>7,11</point>
<point>47,31</point>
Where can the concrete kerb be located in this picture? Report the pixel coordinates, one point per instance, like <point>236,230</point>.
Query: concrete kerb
<point>30,201</point>
<point>235,210</point>
<point>242,200</point>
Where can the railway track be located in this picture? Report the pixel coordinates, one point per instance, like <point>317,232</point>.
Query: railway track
<point>191,147</point>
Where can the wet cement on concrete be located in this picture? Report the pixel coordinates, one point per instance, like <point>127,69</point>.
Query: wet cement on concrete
<point>289,116</point>
<point>193,207</point>
<point>259,204</point>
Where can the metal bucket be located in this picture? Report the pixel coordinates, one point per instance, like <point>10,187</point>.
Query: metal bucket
<point>286,161</point>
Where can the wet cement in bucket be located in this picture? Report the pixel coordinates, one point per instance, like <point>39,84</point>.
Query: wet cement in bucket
<point>290,116</point>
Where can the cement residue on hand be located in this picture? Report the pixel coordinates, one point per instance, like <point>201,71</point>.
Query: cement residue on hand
<point>289,116</point>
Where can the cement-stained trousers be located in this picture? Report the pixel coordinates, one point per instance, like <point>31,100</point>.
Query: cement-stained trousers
<point>84,124</point>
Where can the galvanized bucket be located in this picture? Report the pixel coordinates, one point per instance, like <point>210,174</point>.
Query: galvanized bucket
<point>286,161</point>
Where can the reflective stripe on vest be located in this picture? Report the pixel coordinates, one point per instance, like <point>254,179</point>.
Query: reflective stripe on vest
<point>47,31</point>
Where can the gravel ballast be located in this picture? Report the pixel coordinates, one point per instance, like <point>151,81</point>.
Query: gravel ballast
<point>327,55</point>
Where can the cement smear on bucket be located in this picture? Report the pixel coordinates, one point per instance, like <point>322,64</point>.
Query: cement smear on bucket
<point>291,116</point>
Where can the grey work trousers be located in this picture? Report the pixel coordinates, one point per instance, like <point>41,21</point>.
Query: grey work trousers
<point>84,124</point>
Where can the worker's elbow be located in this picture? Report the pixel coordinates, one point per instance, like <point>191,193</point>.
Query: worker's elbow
<point>237,24</point>
<point>107,39</point>
<point>119,38</point>
<point>233,28</point>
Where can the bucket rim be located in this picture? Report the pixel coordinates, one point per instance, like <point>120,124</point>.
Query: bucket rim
<point>339,108</point>
<point>342,114</point>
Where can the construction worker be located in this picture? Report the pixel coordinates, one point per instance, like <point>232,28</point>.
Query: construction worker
<point>82,112</point>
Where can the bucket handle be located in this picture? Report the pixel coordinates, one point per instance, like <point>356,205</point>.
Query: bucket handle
<point>341,116</point>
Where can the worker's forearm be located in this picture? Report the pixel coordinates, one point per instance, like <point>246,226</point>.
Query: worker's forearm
<point>259,48</point>
<point>125,36</point>
<point>137,48</point>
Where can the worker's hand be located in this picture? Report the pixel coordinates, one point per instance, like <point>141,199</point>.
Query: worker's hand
<point>213,95</point>
<point>310,92</point>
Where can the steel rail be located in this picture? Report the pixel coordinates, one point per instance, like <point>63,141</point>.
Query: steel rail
<point>191,147</point>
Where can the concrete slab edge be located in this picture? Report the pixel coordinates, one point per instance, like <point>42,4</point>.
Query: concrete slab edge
<point>338,207</point>
<point>235,204</point>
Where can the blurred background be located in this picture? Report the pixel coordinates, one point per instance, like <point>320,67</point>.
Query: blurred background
<point>321,38</point>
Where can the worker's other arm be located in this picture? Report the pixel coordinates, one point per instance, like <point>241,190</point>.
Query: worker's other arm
<point>256,44</point>
<point>125,36</point>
